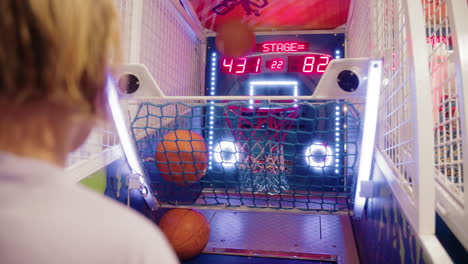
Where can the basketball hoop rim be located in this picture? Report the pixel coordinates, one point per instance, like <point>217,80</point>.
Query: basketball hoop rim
<point>238,110</point>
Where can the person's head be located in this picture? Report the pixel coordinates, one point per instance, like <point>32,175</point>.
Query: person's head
<point>54,57</point>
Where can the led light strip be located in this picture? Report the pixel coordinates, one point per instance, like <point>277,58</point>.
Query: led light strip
<point>337,54</point>
<point>337,138</point>
<point>370,127</point>
<point>122,131</point>
<point>211,117</point>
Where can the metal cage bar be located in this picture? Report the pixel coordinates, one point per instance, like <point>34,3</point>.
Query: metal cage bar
<point>446,32</point>
<point>154,32</point>
<point>403,128</point>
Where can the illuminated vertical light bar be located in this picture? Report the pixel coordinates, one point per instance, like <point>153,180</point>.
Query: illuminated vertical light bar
<point>251,93</point>
<point>127,144</point>
<point>369,130</point>
<point>296,93</point>
<point>122,130</point>
<point>337,137</point>
<point>211,116</point>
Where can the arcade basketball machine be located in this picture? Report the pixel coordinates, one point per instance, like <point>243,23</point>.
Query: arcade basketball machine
<point>319,142</point>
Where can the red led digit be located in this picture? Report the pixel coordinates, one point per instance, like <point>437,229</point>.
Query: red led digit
<point>257,67</point>
<point>242,65</point>
<point>229,65</point>
<point>280,65</point>
<point>273,65</point>
<point>323,64</point>
<point>308,64</point>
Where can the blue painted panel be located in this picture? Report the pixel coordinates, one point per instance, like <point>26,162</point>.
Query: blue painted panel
<point>383,234</point>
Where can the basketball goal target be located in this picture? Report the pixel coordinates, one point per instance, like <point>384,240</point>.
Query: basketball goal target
<point>261,154</point>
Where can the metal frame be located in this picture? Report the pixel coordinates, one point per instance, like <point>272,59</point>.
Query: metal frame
<point>326,90</point>
<point>405,137</point>
<point>453,208</point>
<point>84,168</point>
<point>404,152</point>
<point>424,182</point>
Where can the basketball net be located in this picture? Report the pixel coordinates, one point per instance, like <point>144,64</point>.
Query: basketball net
<point>259,135</point>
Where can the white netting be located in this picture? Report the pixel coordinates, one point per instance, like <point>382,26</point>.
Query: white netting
<point>125,12</point>
<point>446,98</point>
<point>396,137</point>
<point>445,29</point>
<point>172,52</point>
<point>156,35</point>
<point>358,28</point>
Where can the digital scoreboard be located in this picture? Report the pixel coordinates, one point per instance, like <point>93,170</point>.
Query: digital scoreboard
<point>259,145</point>
<point>310,63</point>
<point>299,58</point>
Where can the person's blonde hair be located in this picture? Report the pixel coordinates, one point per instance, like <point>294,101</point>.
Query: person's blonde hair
<point>57,51</point>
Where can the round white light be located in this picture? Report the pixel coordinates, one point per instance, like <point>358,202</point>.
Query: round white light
<point>318,156</point>
<point>226,152</point>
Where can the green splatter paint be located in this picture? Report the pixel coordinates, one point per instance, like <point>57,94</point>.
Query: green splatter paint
<point>96,181</point>
<point>118,175</point>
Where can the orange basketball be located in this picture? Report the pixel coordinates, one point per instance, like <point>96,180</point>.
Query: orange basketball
<point>181,157</point>
<point>187,230</point>
<point>234,39</point>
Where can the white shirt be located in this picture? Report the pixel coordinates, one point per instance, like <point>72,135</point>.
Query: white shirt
<point>47,219</point>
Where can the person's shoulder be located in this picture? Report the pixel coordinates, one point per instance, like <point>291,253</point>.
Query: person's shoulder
<point>108,211</point>
<point>122,224</point>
